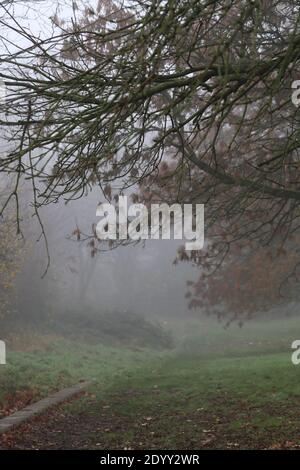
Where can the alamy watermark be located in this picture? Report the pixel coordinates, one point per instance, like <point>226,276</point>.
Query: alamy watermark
<point>136,222</point>
<point>296,354</point>
<point>2,353</point>
<point>2,91</point>
<point>296,93</point>
<point>295,358</point>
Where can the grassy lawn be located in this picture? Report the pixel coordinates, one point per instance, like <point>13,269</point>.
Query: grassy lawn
<point>234,388</point>
<point>193,403</point>
<point>30,375</point>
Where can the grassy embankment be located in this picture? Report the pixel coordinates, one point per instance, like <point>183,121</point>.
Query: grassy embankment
<point>216,389</point>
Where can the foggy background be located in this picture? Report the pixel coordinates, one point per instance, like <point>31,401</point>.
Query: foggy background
<point>140,279</point>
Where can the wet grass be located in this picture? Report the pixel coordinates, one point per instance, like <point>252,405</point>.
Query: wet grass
<point>218,388</point>
<point>63,363</point>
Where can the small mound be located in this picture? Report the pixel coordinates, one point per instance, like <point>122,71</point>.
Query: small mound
<point>114,328</point>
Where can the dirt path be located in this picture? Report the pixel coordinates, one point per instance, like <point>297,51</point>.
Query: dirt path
<point>119,423</point>
<point>64,427</point>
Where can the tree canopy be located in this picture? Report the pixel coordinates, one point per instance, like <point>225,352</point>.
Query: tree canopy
<point>190,101</point>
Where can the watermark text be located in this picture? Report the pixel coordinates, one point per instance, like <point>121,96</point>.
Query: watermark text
<point>137,222</point>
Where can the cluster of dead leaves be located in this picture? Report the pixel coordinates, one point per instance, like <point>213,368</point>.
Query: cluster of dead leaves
<point>13,402</point>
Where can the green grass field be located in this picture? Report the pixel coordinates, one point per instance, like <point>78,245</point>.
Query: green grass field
<point>233,388</point>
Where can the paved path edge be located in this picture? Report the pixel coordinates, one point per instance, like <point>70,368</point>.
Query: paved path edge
<point>19,417</point>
